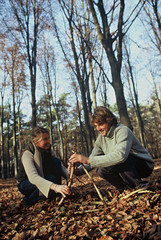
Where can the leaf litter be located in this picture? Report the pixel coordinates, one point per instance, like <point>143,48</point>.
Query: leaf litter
<point>128,215</point>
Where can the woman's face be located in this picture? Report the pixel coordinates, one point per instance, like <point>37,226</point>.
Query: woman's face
<point>44,141</point>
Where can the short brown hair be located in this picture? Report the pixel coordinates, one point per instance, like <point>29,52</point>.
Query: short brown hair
<point>37,134</point>
<point>103,115</point>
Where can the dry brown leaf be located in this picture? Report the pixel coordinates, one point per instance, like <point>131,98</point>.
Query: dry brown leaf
<point>105,238</point>
<point>19,236</point>
<point>64,228</point>
<point>81,233</point>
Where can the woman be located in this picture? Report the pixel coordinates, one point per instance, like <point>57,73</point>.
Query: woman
<point>40,171</point>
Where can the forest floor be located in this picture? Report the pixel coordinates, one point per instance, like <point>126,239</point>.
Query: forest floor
<point>127,215</point>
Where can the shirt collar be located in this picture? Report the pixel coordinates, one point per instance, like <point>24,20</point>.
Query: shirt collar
<point>111,131</point>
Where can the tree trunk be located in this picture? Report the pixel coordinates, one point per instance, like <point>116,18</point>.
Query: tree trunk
<point>2,140</point>
<point>156,93</point>
<point>83,92</point>
<point>120,99</point>
<point>76,71</point>
<point>33,99</point>
<point>92,79</point>
<point>80,121</point>
<point>19,133</point>
<point>27,14</point>
<point>56,117</point>
<point>15,157</point>
<point>115,64</point>
<point>137,114</point>
<point>8,145</point>
<point>50,121</point>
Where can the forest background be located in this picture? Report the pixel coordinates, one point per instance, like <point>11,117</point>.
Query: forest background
<point>61,59</point>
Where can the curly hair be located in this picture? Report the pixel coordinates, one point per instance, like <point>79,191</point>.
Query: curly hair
<point>37,134</point>
<point>103,115</point>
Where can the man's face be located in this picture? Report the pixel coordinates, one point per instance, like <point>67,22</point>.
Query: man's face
<point>102,128</point>
<point>44,141</point>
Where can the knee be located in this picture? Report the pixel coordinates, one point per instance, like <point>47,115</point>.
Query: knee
<point>25,187</point>
<point>105,173</point>
<point>100,172</point>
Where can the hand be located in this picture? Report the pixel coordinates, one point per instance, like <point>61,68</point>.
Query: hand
<point>63,189</point>
<point>78,158</point>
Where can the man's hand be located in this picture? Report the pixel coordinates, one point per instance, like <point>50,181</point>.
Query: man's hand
<point>78,158</point>
<point>63,189</point>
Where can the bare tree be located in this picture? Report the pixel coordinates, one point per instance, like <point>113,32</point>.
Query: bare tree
<point>15,69</point>
<point>153,20</point>
<point>11,67</point>
<point>79,116</point>
<point>26,22</point>
<point>152,25</point>
<point>77,64</point>
<point>47,62</point>
<point>103,20</point>
<point>2,92</point>
<point>8,141</point>
<point>134,95</point>
<point>156,92</point>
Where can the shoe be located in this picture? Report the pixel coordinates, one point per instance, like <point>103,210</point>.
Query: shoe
<point>143,184</point>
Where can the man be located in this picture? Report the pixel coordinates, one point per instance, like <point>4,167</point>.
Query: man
<point>118,155</point>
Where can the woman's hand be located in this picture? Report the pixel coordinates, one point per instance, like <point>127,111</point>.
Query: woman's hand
<point>63,189</point>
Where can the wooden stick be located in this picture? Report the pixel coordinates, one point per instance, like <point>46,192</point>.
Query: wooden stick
<point>69,184</point>
<point>99,194</point>
<point>87,211</point>
<point>92,180</point>
<point>141,190</point>
<point>79,179</point>
<point>71,176</point>
<point>92,203</point>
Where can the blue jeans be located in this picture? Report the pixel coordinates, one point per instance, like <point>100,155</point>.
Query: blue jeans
<point>31,192</point>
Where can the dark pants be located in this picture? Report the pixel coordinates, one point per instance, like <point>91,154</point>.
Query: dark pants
<point>31,192</point>
<point>128,173</point>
